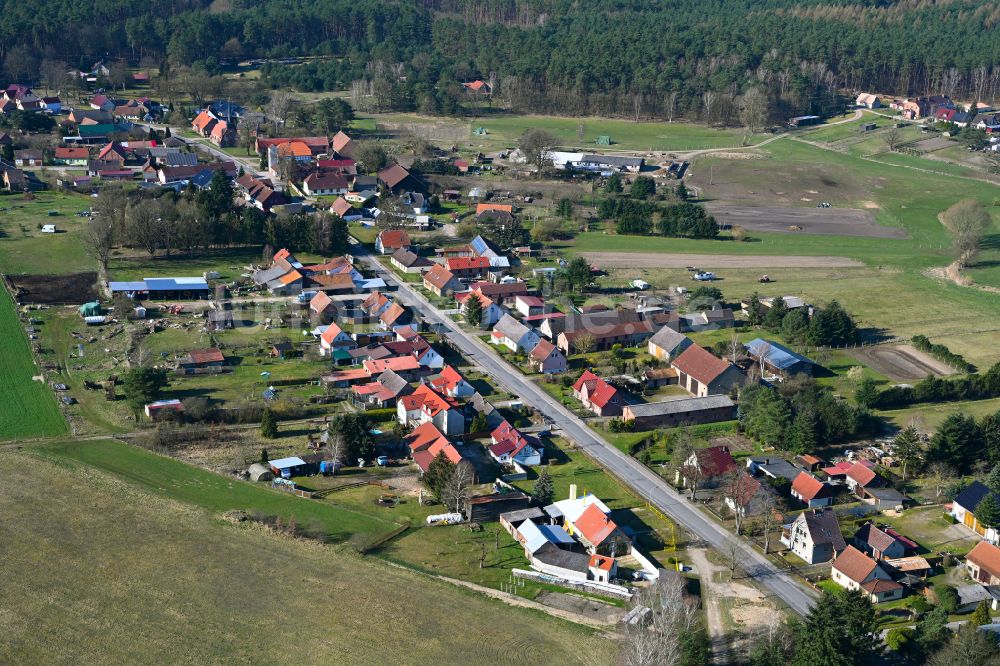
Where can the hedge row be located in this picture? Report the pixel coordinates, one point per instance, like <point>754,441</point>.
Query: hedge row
<point>934,389</point>
<point>942,353</point>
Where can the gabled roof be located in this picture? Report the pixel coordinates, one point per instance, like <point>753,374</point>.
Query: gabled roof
<point>395,363</point>
<point>320,302</point>
<point>542,350</point>
<point>210,355</point>
<point>439,276</point>
<point>325,181</point>
<point>448,379</point>
<point>423,436</point>
<point>467,263</point>
<point>715,460</point>
<point>294,148</point>
<point>393,175</point>
<point>972,495</point>
<point>808,487</point>
<point>340,142</point>
<point>203,120</point>
<point>823,528</point>
<point>511,328</point>
<point>878,539</point>
<point>374,301</point>
<point>483,207</point>
<point>409,259</point>
<point>341,207</point>
<point>331,333</point>
<point>986,556</point>
<point>394,238</point>
<point>775,354</point>
<point>701,364</point>
<point>854,564</point>
<point>594,525</point>
<point>429,400</point>
<point>861,474</point>
<point>72,153</point>
<point>670,340</point>
<point>391,314</point>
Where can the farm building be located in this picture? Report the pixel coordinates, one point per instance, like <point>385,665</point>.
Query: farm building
<point>774,358</point>
<point>163,409</point>
<point>680,411</point>
<point>171,288</point>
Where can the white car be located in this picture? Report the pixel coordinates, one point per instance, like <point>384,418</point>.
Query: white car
<point>705,276</point>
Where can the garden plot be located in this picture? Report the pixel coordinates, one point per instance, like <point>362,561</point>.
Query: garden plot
<point>901,363</point>
<point>72,289</point>
<point>831,221</point>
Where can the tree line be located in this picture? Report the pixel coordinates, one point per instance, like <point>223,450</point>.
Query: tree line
<point>718,62</point>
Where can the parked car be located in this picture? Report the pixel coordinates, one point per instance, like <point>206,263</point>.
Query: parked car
<point>68,400</point>
<point>706,276</point>
<point>61,387</point>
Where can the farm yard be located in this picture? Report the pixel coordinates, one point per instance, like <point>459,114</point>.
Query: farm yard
<point>221,580</point>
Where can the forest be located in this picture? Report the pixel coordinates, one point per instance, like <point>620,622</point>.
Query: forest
<point>665,60</point>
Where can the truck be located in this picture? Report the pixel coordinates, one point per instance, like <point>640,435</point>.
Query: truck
<point>641,285</point>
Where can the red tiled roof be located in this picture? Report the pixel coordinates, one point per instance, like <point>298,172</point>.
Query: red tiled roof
<point>320,302</point>
<point>861,474</point>
<point>594,525</point>
<point>602,394</point>
<point>986,556</point>
<point>808,487</point>
<point>340,141</point>
<point>396,364</point>
<point>467,263</point>
<point>699,363</point>
<point>294,149</point>
<point>715,460</point>
<point>326,181</point>
<point>431,401</point>
<point>878,586</point>
<point>341,206</point>
<point>542,350</point>
<point>585,378</point>
<point>203,120</point>
<point>602,562</point>
<point>448,379</point>
<point>438,276</point>
<point>210,355</point>
<point>394,238</point>
<point>391,314</point>
<point>854,564</point>
<point>331,333</point>
<point>72,153</point>
<point>338,282</point>
<point>289,278</point>
<point>483,207</point>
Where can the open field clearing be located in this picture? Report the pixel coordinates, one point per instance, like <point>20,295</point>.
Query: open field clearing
<point>72,288</point>
<point>25,249</point>
<point>901,363</point>
<point>99,570</point>
<point>27,407</point>
<point>831,221</point>
<point>710,261</point>
<point>503,130</point>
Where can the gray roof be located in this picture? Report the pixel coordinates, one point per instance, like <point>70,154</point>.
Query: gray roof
<point>511,328</point>
<point>824,528</point>
<point>409,259</point>
<point>681,405</point>
<point>973,594</point>
<point>887,495</point>
<point>393,382</point>
<point>670,340</point>
<point>778,467</point>
<point>538,536</point>
<point>519,516</point>
<point>268,274</point>
<point>564,559</point>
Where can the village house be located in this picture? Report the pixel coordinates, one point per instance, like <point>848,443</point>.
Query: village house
<point>680,412</point>
<point>492,312</point>
<point>324,184</point>
<point>389,241</point>
<point>701,373</point>
<point>322,309</point>
<point>468,268</point>
<point>71,156</point>
<point>426,443</point>
<point>861,476</point>
<point>528,305</point>
<point>28,158</point>
<point>202,123</point>
<point>375,304</point>
<point>222,134</point>
<point>597,395</point>
<point>853,570</point>
<point>667,344</point>
<point>882,543</point>
<point>394,315</point>
<point>425,405</point>
<point>811,491</point>
<point>396,179</point>
<point>963,509</point>
<point>548,359</point>
<point>868,100</point>
<point>504,293</point>
<point>451,383</point>
<point>440,281</point>
<point>814,536</point>
<point>202,358</point>
<point>342,208</point>
<point>509,446</point>
<point>515,336</point>
<point>709,465</point>
<point>588,519</point>
<point>382,393</point>
<point>983,563</point>
<point>605,336</point>
<point>334,337</point>
<point>409,262</point>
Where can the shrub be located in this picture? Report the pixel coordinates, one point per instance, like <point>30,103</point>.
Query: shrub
<point>898,637</point>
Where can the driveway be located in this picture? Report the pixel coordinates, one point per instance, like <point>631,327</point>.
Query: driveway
<point>631,472</point>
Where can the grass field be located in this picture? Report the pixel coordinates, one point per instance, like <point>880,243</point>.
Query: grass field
<point>24,249</point>
<point>27,408</point>
<point>104,571</point>
<point>504,130</point>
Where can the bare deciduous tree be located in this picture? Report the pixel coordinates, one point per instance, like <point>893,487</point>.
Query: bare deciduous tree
<point>277,107</point>
<point>968,221</point>
<point>740,490</point>
<point>456,490</point>
<point>657,638</point>
<point>99,238</point>
<point>940,475</point>
<point>755,109</point>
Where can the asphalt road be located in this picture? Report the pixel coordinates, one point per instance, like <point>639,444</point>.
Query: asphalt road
<point>633,473</point>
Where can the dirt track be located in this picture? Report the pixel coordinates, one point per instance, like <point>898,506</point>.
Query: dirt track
<point>901,363</point>
<point>713,261</point>
<point>829,221</point>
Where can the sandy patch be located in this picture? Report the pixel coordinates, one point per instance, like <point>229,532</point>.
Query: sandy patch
<point>713,261</point>
<point>901,363</point>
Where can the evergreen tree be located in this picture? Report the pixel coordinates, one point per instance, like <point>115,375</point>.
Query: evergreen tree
<point>982,614</point>
<point>544,491</point>
<point>355,430</point>
<point>439,472</point>
<point>907,448</point>
<point>832,326</point>
<point>989,426</point>
<point>474,310</point>
<point>613,184</point>
<point>143,386</point>
<point>268,424</point>
<point>340,239</point>
<point>564,208</point>
<point>264,457</point>
<point>840,630</point>
<point>803,434</point>
<point>755,310</point>
<point>988,511</point>
<point>682,191</point>
<point>956,443</point>
<point>866,394</point>
<point>993,480</point>
<point>643,187</point>
<point>775,315</point>
<point>479,423</point>
<point>795,325</point>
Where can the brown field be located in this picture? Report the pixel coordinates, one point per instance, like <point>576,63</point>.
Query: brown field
<point>901,363</point>
<point>72,289</point>
<point>937,143</point>
<point>713,261</point>
<point>830,221</point>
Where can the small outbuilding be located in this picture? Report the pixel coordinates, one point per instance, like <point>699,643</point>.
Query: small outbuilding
<point>259,472</point>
